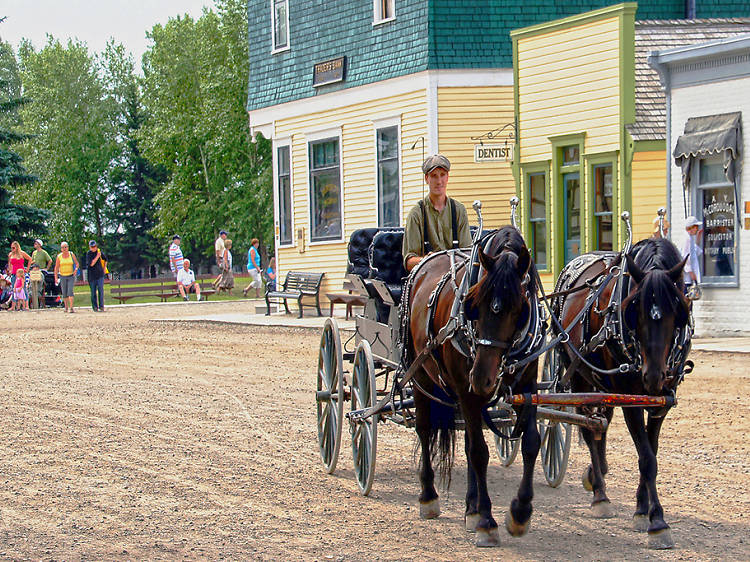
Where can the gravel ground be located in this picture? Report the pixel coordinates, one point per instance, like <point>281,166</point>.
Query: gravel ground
<point>126,438</point>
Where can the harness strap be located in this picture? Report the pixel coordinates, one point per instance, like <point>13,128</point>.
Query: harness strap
<point>454,226</point>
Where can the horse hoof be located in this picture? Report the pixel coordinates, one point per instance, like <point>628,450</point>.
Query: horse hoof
<point>602,510</point>
<point>586,480</point>
<point>640,522</point>
<point>430,509</point>
<point>513,527</point>
<point>488,537</point>
<point>471,520</point>
<point>660,540</point>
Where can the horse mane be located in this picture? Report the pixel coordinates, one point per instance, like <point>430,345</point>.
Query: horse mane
<point>503,281</point>
<point>656,256</point>
<point>655,253</point>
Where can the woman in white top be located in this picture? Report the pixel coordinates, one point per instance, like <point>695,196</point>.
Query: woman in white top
<point>226,280</point>
<point>692,271</point>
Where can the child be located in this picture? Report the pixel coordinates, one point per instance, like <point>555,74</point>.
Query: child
<point>19,292</point>
<point>271,275</point>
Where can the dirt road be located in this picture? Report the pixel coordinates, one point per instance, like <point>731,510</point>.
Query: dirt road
<point>131,439</point>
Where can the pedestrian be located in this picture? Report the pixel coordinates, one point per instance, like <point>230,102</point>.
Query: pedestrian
<point>226,281</point>
<point>186,282</point>
<point>219,253</point>
<point>20,300</point>
<point>66,267</point>
<point>17,259</point>
<point>656,231</point>
<point>36,286</point>
<point>40,256</point>
<point>692,270</point>
<point>253,268</point>
<point>437,222</point>
<point>95,269</point>
<point>271,274</point>
<point>175,255</point>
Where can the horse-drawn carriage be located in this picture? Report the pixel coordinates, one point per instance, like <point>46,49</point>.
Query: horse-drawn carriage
<point>459,342</point>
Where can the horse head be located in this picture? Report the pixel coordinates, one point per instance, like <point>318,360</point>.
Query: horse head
<point>656,307</point>
<point>497,303</point>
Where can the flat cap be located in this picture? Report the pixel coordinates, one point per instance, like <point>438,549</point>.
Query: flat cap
<point>436,161</point>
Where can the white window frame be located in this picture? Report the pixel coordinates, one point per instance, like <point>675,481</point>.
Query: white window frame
<point>377,12</point>
<point>385,123</point>
<point>310,137</point>
<point>286,47</point>
<point>280,143</point>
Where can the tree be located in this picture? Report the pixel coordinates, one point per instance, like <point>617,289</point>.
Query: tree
<point>17,222</point>
<point>132,179</point>
<point>72,123</point>
<point>195,77</point>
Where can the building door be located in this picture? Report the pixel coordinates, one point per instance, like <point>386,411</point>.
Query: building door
<point>572,219</point>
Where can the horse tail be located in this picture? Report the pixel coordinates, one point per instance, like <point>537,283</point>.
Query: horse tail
<point>442,435</point>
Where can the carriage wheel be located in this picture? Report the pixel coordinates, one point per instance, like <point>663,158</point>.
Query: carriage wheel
<point>506,449</point>
<point>556,436</point>
<point>330,395</point>
<point>365,431</point>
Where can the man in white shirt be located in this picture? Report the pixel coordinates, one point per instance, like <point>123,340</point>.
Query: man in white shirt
<point>186,282</point>
<point>219,254</point>
<point>175,255</point>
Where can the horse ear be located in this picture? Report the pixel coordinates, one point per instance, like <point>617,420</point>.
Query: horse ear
<point>635,272</point>
<point>524,261</point>
<point>675,274</point>
<point>486,261</point>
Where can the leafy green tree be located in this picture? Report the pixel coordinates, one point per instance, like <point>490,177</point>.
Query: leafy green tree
<point>17,222</point>
<point>72,122</point>
<point>195,77</point>
<point>132,179</point>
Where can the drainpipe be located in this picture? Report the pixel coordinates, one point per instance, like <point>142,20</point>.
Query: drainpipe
<point>690,9</point>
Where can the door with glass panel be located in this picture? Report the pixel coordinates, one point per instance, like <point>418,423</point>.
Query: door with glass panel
<point>572,218</point>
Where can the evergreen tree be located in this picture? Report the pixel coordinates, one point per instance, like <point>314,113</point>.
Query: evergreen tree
<point>17,222</point>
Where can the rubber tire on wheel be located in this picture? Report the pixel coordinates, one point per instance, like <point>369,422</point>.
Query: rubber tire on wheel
<point>330,379</point>
<point>365,431</point>
<point>506,450</point>
<point>556,436</point>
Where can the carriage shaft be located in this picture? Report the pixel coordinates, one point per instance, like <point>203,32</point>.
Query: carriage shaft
<point>597,425</point>
<point>595,399</point>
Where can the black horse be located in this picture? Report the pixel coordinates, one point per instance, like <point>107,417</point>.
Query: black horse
<point>655,318</point>
<point>499,306</point>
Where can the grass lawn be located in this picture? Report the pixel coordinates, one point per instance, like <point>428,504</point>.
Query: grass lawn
<point>82,294</point>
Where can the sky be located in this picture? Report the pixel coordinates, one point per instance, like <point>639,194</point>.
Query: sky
<point>92,21</point>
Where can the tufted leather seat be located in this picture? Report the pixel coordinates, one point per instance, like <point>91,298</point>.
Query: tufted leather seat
<point>359,251</point>
<point>386,260</point>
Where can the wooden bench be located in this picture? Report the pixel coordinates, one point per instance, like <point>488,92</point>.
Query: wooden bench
<point>161,287</point>
<point>349,299</point>
<point>297,285</point>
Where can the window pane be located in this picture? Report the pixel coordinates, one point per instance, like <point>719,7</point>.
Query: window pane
<point>570,155</point>
<point>388,143</point>
<point>389,199</point>
<point>540,244</point>
<point>712,172</point>
<point>325,199</point>
<point>285,196</point>
<point>280,30</point>
<point>536,185</point>
<point>603,206</point>
<point>719,235</point>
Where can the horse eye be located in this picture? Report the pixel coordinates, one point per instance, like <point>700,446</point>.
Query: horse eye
<point>655,312</point>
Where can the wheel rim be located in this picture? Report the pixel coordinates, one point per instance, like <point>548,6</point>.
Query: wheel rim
<point>364,432</point>
<point>331,380</point>
<point>555,436</point>
<point>506,449</point>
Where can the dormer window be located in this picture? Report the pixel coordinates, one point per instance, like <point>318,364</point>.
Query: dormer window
<point>280,27</point>
<point>383,11</point>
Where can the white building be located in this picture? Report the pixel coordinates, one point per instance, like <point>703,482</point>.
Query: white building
<point>707,89</point>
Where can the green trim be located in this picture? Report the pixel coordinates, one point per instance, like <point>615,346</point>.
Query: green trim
<point>556,192</point>
<point>517,148</point>
<point>525,218</point>
<point>649,145</point>
<point>627,116</point>
<point>574,21</point>
<point>590,161</point>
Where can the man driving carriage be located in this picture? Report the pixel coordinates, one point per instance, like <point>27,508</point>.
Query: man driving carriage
<point>436,222</point>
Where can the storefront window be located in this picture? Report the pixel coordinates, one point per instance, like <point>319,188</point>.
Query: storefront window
<point>325,190</point>
<point>603,206</point>
<point>716,203</point>
<point>389,200</point>
<point>538,218</point>
<point>284,198</point>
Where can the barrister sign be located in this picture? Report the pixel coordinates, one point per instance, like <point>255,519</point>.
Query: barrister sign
<point>328,72</point>
<point>493,152</point>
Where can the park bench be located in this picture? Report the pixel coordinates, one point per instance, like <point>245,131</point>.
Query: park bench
<point>297,285</point>
<point>161,287</point>
<point>349,299</point>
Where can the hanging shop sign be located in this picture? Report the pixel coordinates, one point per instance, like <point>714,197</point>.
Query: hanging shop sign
<point>493,152</point>
<point>328,72</point>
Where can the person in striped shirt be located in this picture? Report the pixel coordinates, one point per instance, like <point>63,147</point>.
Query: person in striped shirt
<point>175,255</point>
